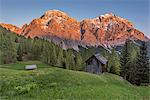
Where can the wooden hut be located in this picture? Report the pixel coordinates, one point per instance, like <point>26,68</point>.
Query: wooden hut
<point>96,64</point>
<point>30,67</point>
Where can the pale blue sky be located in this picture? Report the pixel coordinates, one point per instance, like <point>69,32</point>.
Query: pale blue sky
<point>19,12</point>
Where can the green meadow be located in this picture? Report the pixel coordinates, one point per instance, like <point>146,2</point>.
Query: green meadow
<point>52,83</point>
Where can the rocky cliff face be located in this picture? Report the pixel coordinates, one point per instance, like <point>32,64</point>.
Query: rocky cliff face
<point>12,28</point>
<point>108,29</point>
<point>53,23</point>
<point>59,27</point>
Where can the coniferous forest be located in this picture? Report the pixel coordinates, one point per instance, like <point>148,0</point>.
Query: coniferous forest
<point>132,63</point>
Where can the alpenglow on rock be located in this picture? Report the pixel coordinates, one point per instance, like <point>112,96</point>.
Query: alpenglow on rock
<point>59,27</point>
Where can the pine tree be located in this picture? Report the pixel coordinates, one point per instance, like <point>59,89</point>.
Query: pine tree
<point>114,63</point>
<point>78,62</point>
<point>132,71</point>
<point>27,44</point>
<point>1,57</point>
<point>20,52</point>
<point>46,53</point>
<point>53,57</point>
<point>1,48</point>
<point>66,64</point>
<point>8,47</point>
<point>125,59</point>
<point>37,48</point>
<point>143,67</point>
<point>69,60</point>
<point>60,58</point>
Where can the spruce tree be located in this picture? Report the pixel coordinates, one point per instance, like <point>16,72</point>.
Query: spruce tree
<point>78,62</point>
<point>46,53</point>
<point>69,60</point>
<point>66,64</point>
<point>114,63</point>
<point>27,44</point>
<point>1,57</point>
<point>143,67</point>
<point>125,60</point>
<point>60,58</point>
<point>8,47</point>
<point>20,52</point>
<point>53,56</point>
<point>37,48</point>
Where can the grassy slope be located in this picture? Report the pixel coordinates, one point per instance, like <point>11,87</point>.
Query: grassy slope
<point>54,83</point>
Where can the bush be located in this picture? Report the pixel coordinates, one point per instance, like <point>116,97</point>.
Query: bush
<point>25,89</point>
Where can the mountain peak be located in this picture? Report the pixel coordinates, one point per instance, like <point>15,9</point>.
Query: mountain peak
<point>58,13</point>
<point>108,15</point>
<point>58,26</point>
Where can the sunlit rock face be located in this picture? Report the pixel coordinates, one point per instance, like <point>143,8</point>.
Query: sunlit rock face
<point>53,23</point>
<point>108,29</point>
<point>11,28</point>
<point>62,29</point>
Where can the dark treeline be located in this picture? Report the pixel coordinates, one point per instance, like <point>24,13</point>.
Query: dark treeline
<point>132,64</point>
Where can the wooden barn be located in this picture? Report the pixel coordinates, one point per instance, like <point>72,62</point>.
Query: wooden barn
<point>96,64</point>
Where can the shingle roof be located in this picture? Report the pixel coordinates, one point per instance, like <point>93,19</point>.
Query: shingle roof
<point>100,58</point>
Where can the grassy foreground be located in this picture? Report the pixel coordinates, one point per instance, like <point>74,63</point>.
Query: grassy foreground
<point>51,83</point>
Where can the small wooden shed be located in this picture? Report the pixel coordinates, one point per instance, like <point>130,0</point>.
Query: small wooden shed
<point>30,67</point>
<point>96,64</point>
